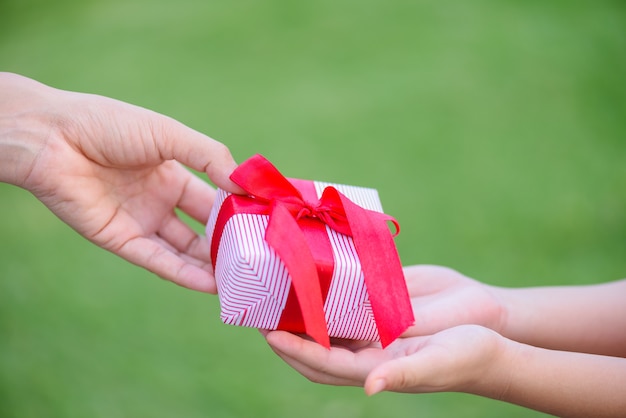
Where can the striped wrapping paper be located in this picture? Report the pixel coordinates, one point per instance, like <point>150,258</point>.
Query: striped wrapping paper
<point>253,283</point>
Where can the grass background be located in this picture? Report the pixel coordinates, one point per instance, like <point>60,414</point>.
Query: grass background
<point>494,131</point>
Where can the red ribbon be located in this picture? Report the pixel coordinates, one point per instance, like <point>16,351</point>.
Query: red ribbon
<point>272,194</point>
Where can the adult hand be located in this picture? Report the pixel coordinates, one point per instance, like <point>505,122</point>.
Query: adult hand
<point>112,171</point>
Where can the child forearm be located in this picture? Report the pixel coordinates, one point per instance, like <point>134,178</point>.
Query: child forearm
<point>560,383</point>
<point>589,319</point>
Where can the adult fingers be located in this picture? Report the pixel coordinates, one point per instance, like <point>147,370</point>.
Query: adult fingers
<point>153,256</point>
<point>184,240</point>
<point>197,198</point>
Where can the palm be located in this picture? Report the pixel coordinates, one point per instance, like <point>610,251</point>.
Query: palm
<point>443,298</point>
<point>126,205</point>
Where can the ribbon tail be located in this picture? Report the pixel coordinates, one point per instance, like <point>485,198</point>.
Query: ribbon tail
<point>382,271</point>
<point>284,235</point>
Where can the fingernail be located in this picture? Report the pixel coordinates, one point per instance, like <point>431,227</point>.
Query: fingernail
<point>378,386</point>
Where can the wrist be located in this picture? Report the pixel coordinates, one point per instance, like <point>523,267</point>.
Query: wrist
<point>507,300</point>
<point>495,378</point>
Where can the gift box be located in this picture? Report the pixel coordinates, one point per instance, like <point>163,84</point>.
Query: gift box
<point>307,257</point>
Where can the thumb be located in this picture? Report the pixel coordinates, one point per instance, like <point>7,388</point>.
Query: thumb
<point>398,375</point>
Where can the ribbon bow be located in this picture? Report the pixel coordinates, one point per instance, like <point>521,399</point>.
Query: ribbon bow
<point>269,192</point>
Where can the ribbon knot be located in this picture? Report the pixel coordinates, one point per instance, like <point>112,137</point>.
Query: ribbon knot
<point>308,209</point>
<point>272,194</point>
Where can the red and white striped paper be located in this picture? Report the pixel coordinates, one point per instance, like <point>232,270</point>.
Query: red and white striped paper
<point>253,282</point>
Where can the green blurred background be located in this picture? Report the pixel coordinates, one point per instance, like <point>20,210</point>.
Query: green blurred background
<point>494,131</point>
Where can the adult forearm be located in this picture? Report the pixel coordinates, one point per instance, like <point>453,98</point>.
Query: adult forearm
<point>590,319</point>
<point>560,383</point>
<point>24,126</point>
<point>18,151</point>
